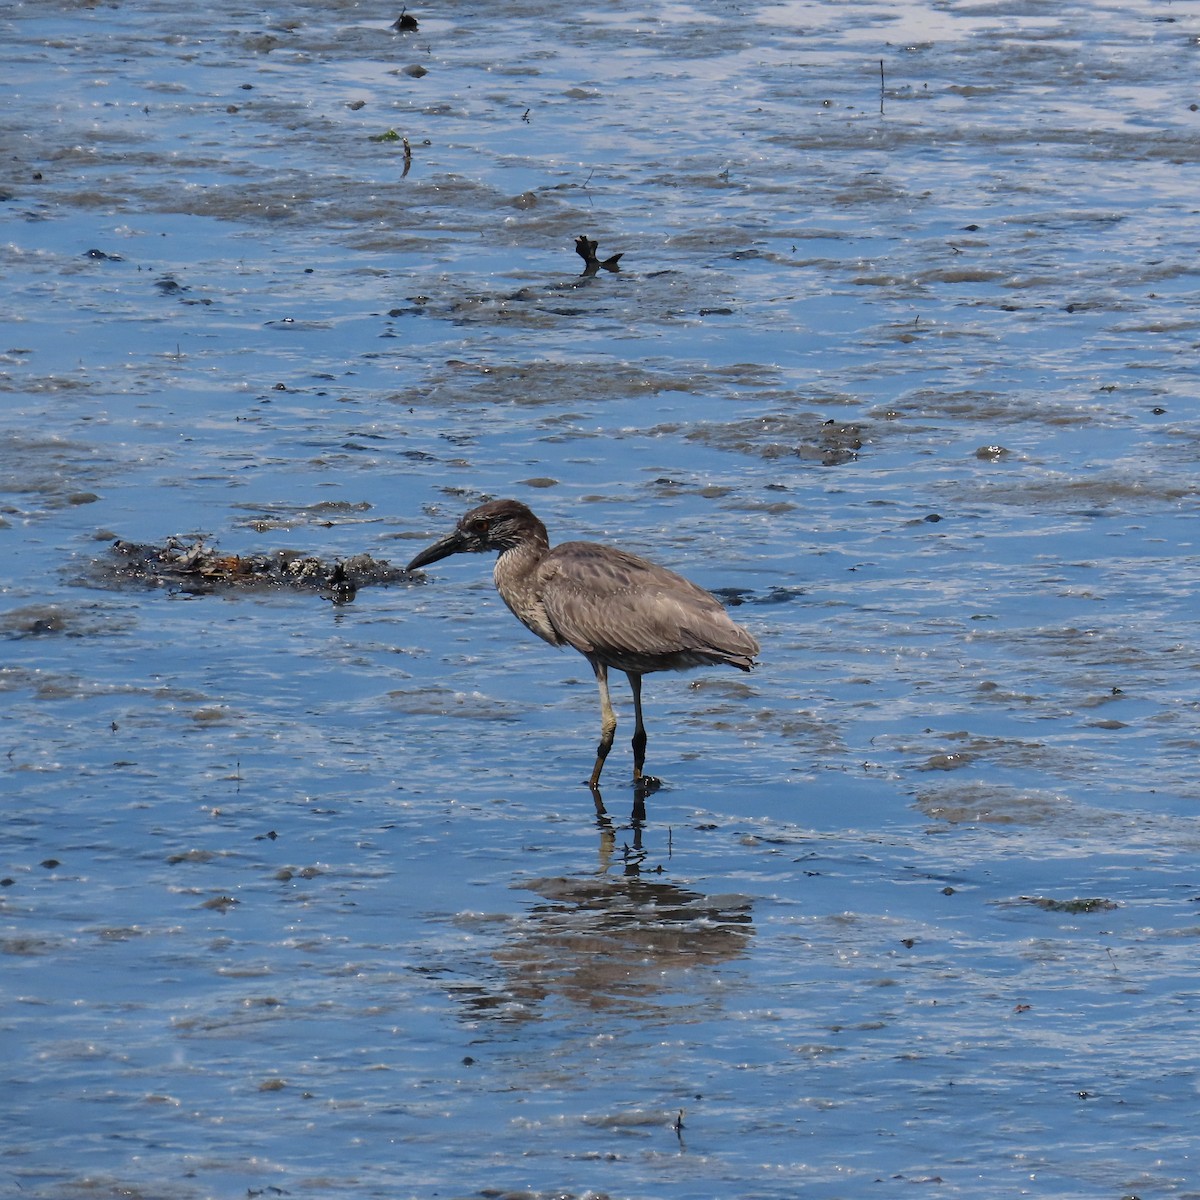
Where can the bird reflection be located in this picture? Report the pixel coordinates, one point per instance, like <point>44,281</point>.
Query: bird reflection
<point>609,941</point>
<point>637,816</point>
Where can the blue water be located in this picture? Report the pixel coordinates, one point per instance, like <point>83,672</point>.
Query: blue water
<point>309,899</point>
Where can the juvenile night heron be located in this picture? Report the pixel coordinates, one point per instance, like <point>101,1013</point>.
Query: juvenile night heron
<point>616,609</point>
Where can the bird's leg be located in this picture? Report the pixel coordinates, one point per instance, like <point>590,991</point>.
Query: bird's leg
<point>608,723</point>
<point>639,729</point>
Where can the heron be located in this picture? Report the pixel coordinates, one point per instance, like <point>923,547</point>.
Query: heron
<point>617,609</point>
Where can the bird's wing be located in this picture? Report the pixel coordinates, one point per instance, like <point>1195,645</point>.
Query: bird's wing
<point>618,606</point>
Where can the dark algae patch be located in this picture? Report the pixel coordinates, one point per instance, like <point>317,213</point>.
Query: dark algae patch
<point>194,566</point>
<point>1091,905</point>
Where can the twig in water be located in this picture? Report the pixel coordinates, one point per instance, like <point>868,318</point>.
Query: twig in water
<point>584,185</point>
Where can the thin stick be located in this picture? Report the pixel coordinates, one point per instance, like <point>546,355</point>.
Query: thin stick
<point>881,87</point>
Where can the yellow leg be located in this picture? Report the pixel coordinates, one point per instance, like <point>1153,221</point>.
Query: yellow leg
<point>608,723</point>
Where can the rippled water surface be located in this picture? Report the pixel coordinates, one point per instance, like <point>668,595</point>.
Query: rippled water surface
<point>308,899</point>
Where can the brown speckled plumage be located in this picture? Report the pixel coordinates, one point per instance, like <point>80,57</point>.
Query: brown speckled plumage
<point>617,609</point>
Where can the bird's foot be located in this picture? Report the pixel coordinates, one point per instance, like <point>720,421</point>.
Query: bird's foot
<point>647,784</point>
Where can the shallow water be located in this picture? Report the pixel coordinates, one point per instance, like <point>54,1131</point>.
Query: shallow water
<point>308,899</point>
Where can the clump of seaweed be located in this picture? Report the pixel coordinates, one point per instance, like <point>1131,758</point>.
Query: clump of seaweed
<point>1090,904</point>
<point>192,565</point>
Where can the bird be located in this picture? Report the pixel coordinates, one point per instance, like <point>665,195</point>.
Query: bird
<point>617,609</point>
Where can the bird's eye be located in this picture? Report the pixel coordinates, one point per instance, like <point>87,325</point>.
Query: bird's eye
<point>479,525</point>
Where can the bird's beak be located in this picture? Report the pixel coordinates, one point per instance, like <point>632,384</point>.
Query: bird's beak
<point>452,543</point>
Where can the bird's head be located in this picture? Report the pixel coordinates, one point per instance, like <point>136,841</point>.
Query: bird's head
<point>498,525</point>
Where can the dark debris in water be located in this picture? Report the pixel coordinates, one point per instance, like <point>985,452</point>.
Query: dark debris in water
<point>489,1193</point>
<point>804,435</point>
<point>734,596</point>
<point>586,248</point>
<point>191,565</point>
<point>1094,904</point>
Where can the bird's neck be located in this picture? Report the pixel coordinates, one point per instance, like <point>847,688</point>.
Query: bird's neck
<point>516,576</point>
